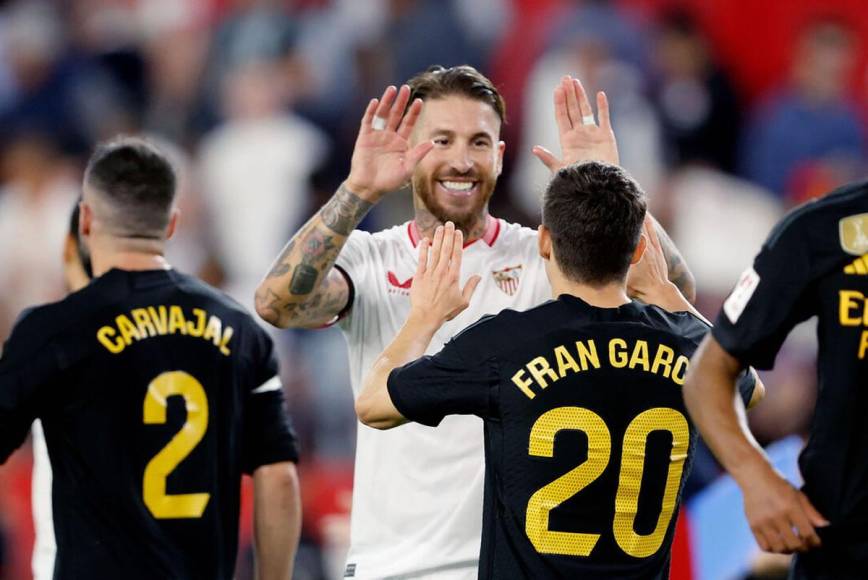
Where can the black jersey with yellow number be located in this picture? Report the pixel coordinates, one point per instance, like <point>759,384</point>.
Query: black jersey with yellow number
<point>156,392</point>
<point>815,262</point>
<point>587,442</point>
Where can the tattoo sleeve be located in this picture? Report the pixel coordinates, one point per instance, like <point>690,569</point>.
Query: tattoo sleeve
<point>301,289</point>
<point>679,273</point>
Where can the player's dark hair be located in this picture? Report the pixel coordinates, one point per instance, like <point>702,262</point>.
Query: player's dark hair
<point>438,82</point>
<point>594,212</point>
<point>83,256</point>
<point>139,183</point>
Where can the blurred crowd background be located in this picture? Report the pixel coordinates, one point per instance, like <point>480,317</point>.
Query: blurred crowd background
<point>728,112</point>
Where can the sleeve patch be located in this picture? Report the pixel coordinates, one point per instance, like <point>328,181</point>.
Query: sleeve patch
<point>741,295</point>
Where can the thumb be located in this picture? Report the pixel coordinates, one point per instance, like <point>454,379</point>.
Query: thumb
<point>815,517</point>
<point>470,287</point>
<point>417,153</point>
<point>548,158</point>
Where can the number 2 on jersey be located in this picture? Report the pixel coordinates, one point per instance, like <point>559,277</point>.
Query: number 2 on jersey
<point>545,499</point>
<point>161,504</point>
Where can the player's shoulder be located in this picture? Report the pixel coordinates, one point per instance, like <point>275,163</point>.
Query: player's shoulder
<point>495,331</point>
<point>683,324</point>
<point>515,235</point>
<point>816,216</point>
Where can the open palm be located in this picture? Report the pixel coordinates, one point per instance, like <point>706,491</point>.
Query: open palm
<point>581,138</point>
<point>383,158</point>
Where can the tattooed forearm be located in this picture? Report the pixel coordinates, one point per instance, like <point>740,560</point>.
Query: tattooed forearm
<point>280,266</point>
<point>679,274</point>
<point>344,211</point>
<point>303,279</point>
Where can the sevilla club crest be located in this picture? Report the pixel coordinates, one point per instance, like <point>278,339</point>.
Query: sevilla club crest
<point>507,279</point>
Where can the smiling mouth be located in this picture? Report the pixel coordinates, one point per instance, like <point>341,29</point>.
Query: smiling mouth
<point>458,188</point>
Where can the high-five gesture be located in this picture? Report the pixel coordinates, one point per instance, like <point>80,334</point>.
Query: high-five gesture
<point>436,296</point>
<point>383,159</point>
<point>581,138</point>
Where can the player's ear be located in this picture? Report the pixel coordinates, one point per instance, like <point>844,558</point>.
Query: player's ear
<point>544,239</point>
<point>173,223</point>
<point>85,219</point>
<point>501,147</point>
<point>640,249</point>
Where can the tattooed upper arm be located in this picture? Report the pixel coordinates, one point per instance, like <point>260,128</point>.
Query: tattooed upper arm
<point>679,273</point>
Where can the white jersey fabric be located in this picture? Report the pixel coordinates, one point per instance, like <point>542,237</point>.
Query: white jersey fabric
<point>418,491</point>
<point>44,546</point>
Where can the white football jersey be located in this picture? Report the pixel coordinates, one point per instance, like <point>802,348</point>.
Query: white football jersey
<point>418,491</point>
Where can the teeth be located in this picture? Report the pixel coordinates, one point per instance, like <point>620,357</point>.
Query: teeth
<point>458,185</point>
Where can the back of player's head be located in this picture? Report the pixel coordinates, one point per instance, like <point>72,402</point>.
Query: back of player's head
<point>135,183</point>
<point>594,213</point>
<point>439,82</point>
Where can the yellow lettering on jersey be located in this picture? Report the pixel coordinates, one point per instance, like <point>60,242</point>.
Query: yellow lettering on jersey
<point>640,356</point>
<point>177,322</point>
<point>159,317</point>
<point>618,353</point>
<point>224,342</point>
<point>523,383</point>
<point>143,322</point>
<point>104,334</point>
<point>540,369</point>
<point>565,361</point>
<point>588,354</point>
<point>214,330</point>
<point>863,344</point>
<point>128,331</point>
<point>198,328</point>
<point>848,300</point>
<point>663,358</point>
<point>680,369</point>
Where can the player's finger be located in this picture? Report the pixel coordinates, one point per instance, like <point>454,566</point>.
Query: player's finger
<point>417,153</point>
<point>653,237</point>
<point>582,98</point>
<point>470,287</point>
<point>761,538</point>
<point>562,118</point>
<point>547,157</point>
<point>603,111</point>
<point>382,113</point>
<point>423,256</point>
<point>409,120</point>
<point>806,533</point>
<point>398,108</point>
<point>435,248</point>
<point>368,117</point>
<point>573,109</point>
<point>446,247</point>
<point>814,516</point>
<point>457,252</point>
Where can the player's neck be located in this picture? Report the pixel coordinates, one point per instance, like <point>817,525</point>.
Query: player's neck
<point>609,295</point>
<point>426,223</point>
<point>133,255</point>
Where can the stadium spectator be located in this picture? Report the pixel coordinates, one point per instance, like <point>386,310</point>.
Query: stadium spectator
<point>149,371</point>
<point>810,129</point>
<point>812,264</point>
<point>441,133</point>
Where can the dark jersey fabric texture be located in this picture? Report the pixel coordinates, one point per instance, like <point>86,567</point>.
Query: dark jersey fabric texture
<point>156,392</point>
<point>815,263</point>
<point>587,441</point>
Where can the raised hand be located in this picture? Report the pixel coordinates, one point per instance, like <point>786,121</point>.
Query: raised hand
<point>436,296</point>
<point>581,138</point>
<point>383,159</point>
<point>650,274</point>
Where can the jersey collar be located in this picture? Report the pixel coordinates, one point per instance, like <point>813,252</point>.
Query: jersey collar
<point>489,236</point>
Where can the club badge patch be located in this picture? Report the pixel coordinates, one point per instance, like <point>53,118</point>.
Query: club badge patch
<point>741,294</point>
<point>854,234</point>
<point>507,279</point>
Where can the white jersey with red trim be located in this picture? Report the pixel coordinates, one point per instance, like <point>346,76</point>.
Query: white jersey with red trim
<point>418,492</point>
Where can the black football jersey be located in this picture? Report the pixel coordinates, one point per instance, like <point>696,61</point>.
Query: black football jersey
<point>587,441</point>
<point>156,392</point>
<point>815,263</point>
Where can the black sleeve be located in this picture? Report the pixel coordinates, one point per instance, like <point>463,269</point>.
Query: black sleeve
<point>24,371</point>
<point>429,388</point>
<point>769,299</point>
<point>268,434</point>
<point>746,384</point>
